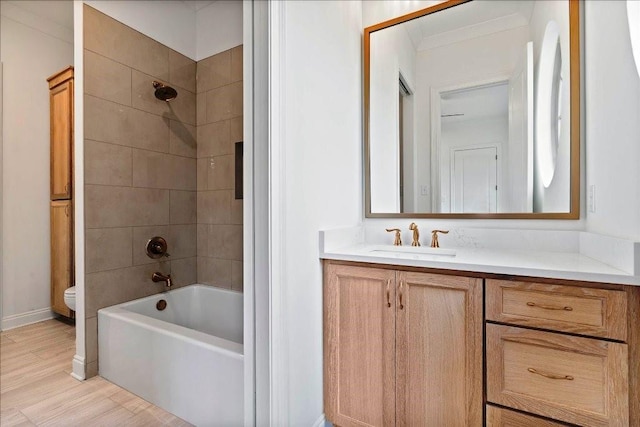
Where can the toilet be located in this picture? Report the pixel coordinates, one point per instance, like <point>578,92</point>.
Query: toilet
<point>70,297</point>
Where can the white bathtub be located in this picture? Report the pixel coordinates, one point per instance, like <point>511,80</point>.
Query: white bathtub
<point>187,359</point>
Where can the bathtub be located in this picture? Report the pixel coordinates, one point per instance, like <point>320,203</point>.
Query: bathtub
<point>187,359</point>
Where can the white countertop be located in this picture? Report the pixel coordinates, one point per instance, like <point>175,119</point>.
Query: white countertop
<point>533,263</point>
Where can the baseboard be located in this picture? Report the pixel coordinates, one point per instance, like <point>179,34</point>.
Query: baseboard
<point>23,319</point>
<point>78,368</point>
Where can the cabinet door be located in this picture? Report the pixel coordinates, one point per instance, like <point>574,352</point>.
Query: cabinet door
<point>61,254</point>
<point>61,104</point>
<point>359,346</point>
<point>439,350</point>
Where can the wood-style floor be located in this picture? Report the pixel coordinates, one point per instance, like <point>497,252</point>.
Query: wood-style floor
<point>37,390</point>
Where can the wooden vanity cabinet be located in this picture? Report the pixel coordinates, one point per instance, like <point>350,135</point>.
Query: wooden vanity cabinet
<point>61,133</point>
<point>401,348</point>
<point>61,254</point>
<point>61,161</point>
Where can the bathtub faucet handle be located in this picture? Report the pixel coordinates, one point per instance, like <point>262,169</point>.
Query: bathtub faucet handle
<point>159,277</point>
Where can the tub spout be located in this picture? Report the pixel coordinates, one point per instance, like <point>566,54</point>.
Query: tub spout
<point>159,277</point>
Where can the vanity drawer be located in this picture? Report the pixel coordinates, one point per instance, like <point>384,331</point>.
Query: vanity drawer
<point>572,379</point>
<point>575,309</point>
<point>499,417</point>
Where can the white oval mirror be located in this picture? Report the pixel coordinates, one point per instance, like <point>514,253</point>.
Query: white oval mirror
<point>548,103</point>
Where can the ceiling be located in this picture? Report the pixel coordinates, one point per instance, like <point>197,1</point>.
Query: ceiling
<point>196,5</point>
<point>58,11</point>
<point>476,102</point>
<point>474,18</point>
<point>61,11</point>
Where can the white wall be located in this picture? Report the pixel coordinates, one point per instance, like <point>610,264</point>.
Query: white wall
<point>612,94</point>
<point>218,28</point>
<point>392,53</point>
<point>33,49</point>
<point>316,176</point>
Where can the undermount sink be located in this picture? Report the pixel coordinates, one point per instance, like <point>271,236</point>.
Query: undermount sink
<point>411,250</point>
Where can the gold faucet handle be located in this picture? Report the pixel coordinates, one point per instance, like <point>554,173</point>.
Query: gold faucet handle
<point>397,241</point>
<point>434,237</point>
<point>416,234</point>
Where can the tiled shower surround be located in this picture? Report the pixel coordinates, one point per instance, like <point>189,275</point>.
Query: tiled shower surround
<point>154,168</point>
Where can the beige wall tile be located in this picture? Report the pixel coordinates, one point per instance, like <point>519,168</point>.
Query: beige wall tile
<point>184,271</point>
<point>214,207</point>
<point>182,71</point>
<point>237,132</point>
<point>225,242</point>
<point>216,272</point>
<point>107,288</point>
<point>107,164</point>
<point>236,210</point>
<point>202,239</point>
<point>214,71</point>
<point>107,249</point>
<point>91,342</point>
<point>236,276</point>
<point>183,207</point>
<point>182,240</point>
<point>202,174</point>
<point>181,108</point>
<point>158,170</point>
<point>107,121</point>
<point>182,139</point>
<point>220,173</point>
<point>201,109</point>
<point>141,235</point>
<point>224,102</point>
<point>214,139</point>
<point>236,64</point>
<point>106,78</point>
<point>107,206</point>
<point>110,38</point>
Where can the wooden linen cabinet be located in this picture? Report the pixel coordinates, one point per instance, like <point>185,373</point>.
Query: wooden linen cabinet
<point>62,135</point>
<point>401,347</point>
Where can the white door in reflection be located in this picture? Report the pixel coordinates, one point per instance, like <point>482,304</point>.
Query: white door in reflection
<point>474,173</point>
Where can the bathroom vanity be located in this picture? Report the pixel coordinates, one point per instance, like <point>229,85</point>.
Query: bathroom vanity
<point>499,327</point>
<point>412,337</point>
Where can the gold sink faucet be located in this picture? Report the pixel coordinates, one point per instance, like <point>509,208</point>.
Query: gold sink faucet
<point>397,241</point>
<point>416,234</point>
<point>434,237</point>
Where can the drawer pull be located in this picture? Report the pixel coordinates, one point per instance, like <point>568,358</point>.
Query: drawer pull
<point>549,307</point>
<point>400,295</point>
<point>388,295</point>
<point>551,376</point>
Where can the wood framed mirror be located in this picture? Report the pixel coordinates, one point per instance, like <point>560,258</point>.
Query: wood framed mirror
<point>472,110</point>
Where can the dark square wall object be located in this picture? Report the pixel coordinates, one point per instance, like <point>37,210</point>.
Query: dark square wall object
<point>239,170</point>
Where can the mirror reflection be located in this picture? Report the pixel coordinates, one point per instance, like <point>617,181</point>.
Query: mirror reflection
<point>469,111</point>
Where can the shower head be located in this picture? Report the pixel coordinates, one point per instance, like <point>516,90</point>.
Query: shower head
<point>163,92</point>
